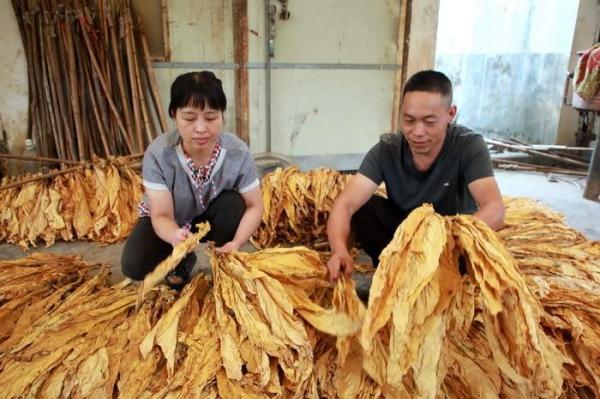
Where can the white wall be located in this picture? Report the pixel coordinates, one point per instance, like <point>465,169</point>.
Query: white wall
<point>341,111</point>
<point>200,31</point>
<point>314,111</point>
<point>508,62</point>
<point>13,79</point>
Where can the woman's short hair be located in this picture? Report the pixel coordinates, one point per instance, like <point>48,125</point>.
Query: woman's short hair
<point>197,89</point>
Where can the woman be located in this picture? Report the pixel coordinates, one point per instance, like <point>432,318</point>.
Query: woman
<point>195,173</point>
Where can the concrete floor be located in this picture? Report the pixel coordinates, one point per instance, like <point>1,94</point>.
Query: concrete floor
<point>562,193</point>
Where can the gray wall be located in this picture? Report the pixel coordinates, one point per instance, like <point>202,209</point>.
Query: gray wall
<point>504,95</point>
<point>508,63</point>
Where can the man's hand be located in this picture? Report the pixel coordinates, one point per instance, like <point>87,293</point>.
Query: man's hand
<point>356,193</point>
<point>339,261</point>
<point>180,235</point>
<point>228,247</point>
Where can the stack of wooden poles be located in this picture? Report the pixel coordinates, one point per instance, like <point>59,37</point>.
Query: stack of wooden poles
<point>92,90</point>
<point>557,158</point>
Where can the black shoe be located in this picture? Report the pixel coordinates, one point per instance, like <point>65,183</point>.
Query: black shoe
<point>179,277</point>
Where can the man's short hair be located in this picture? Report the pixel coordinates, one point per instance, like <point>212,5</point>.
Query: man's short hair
<point>430,81</point>
<point>196,89</point>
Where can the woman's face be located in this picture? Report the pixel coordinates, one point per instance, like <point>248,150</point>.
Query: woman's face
<point>199,128</point>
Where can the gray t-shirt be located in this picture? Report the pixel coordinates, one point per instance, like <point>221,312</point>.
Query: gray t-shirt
<point>464,158</point>
<point>165,168</point>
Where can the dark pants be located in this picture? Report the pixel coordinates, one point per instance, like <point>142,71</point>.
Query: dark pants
<point>144,250</point>
<point>374,225</point>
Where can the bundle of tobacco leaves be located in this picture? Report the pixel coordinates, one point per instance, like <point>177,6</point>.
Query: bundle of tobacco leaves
<point>522,321</point>
<point>83,344</point>
<point>562,268</point>
<point>34,285</point>
<point>251,332</point>
<point>97,202</point>
<point>168,264</point>
<point>297,205</point>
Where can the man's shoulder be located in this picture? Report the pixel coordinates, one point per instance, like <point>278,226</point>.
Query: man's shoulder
<point>391,138</point>
<point>463,134</point>
<point>387,147</point>
<point>390,142</point>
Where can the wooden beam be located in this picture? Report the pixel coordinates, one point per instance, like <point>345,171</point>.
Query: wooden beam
<point>40,159</point>
<point>41,177</point>
<point>240,57</point>
<point>423,35</point>
<point>516,165</point>
<point>401,59</point>
<point>592,187</point>
<point>165,30</point>
<point>534,152</point>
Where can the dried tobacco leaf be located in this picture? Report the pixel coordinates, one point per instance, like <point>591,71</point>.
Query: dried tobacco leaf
<point>297,205</point>
<point>98,202</point>
<point>524,325</point>
<point>164,267</point>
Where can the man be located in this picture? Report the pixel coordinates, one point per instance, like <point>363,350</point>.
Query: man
<point>432,161</point>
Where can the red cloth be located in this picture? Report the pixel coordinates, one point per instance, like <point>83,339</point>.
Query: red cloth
<point>587,73</point>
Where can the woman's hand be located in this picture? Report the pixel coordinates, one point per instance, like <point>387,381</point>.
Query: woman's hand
<point>249,222</point>
<point>180,235</point>
<point>228,247</point>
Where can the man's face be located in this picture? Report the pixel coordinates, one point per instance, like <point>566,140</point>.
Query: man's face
<point>425,117</point>
<point>199,128</point>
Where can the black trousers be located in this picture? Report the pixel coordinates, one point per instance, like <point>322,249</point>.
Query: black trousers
<point>144,250</point>
<point>374,225</point>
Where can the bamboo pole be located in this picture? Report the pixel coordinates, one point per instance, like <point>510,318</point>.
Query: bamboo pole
<point>103,85</point>
<point>73,85</point>
<point>534,152</point>
<point>132,86</point>
<point>98,137</point>
<point>56,85</point>
<point>40,177</point>
<point>152,79</point>
<point>132,156</point>
<point>85,97</point>
<point>560,150</point>
<point>78,104</point>
<point>97,116</point>
<point>138,84</point>
<point>46,84</point>
<point>100,97</point>
<point>46,131</point>
<point>544,147</point>
<point>125,104</point>
<point>40,159</point>
<point>100,48</point>
<point>515,165</point>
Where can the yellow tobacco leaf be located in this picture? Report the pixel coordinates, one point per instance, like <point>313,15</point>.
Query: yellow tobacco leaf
<point>164,267</point>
